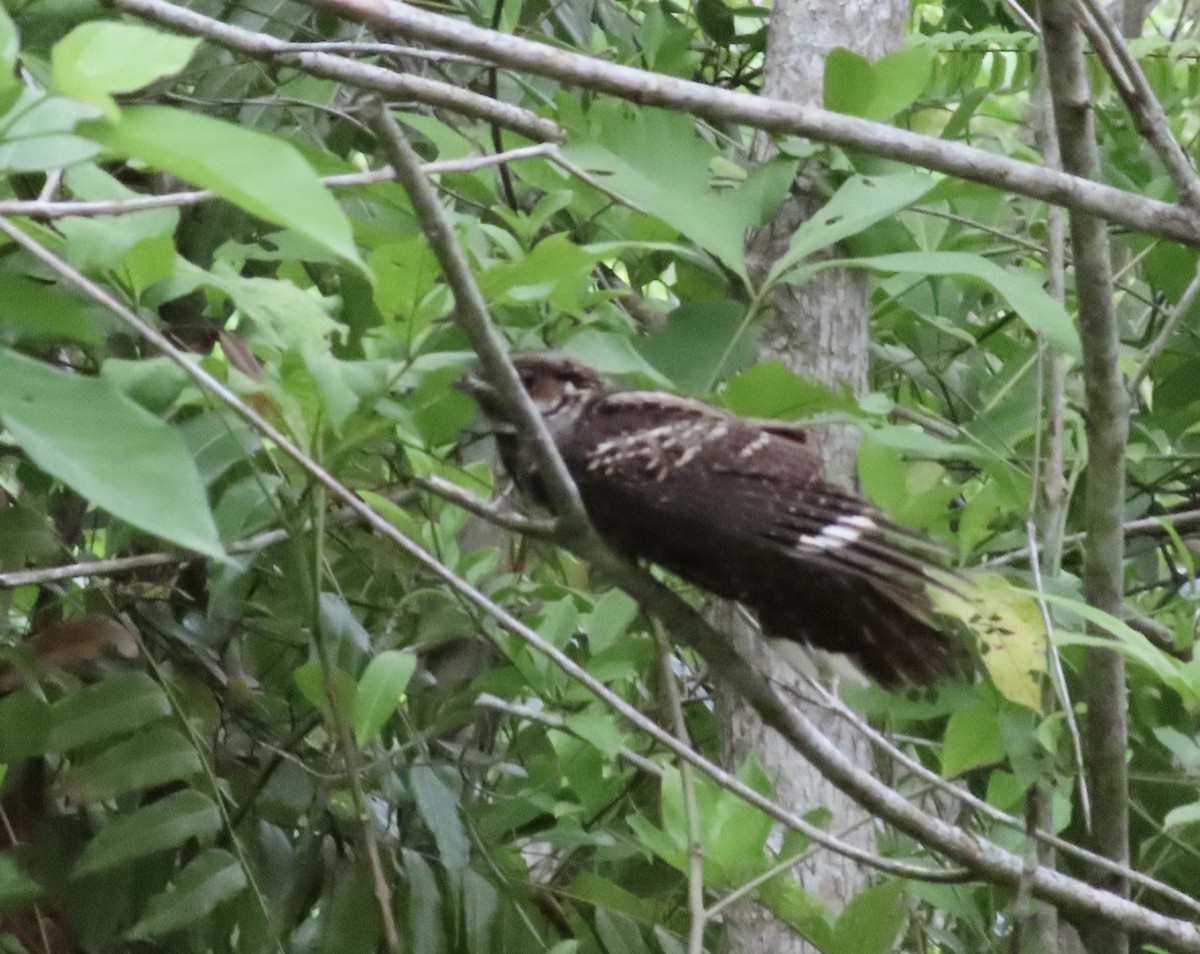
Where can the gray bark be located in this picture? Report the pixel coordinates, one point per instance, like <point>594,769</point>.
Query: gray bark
<point>818,330</point>
<point>1107,430</point>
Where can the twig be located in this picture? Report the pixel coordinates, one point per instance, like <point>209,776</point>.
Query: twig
<point>471,313</point>
<point>1165,333</point>
<point>553,720</point>
<point>697,915</point>
<point>1133,88</point>
<point>1058,678</point>
<point>541,529</point>
<point>724,106</point>
<point>48,210</point>
<point>343,70</point>
<point>964,795</point>
<point>140,561</point>
<point>986,860</point>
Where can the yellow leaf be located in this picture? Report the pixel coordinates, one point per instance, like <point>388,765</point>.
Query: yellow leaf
<point>1008,624</point>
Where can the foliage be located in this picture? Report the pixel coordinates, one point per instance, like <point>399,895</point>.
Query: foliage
<point>294,691</point>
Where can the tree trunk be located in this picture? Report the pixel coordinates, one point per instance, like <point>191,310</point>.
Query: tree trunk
<point>818,330</point>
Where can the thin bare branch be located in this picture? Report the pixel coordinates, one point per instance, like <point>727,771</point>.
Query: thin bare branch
<point>985,860</point>
<point>47,210</point>
<point>723,106</point>
<point>1163,338</point>
<point>1134,89</point>
<point>351,72</point>
<point>541,529</point>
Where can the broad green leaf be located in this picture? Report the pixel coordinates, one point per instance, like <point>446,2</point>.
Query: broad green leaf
<point>166,823</point>
<point>310,680</point>
<point>24,726</point>
<point>1182,815</point>
<point>770,390</point>
<point>210,878</point>
<point>625,148</point>
<point>261,174</point>
<point>438,805</point>
<point>611,353</point>
<point>1131,644</point>
<point>1010,629</point>
<point>859,203</point>
<point>138,246</point>
<point>426,930</point>
<point>879,90</point>
<point>38,133</point>
<point>108,449</point>
<point>16,890</point>
<point>702,342</point>
<point>112,707</point>
<point>972,739</point>
<point>142,761</point>
<point>94,60</point>
<point>1026,297</point>
<point>871,922</point>
<point>597,728</point>
<point>480,903</point>
<point>610,617</point>
<point>10,48</point>
<point>380,692</point>
<point>34,311</point>
<point>620,933</point>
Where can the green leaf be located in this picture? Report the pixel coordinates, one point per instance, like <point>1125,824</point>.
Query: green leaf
<point>972,739</point>
<point>211,877</point>
<point>1182,815</point>
<point>38,133</point>
<point>105,447</point>
<point>261,174</point>
<point>770,390</point>
<point>859,203</point>
<point>481,900</point>
<point>702,342</point>
<point>10,49</point>
<point>166,823</point>
<point>94,60</point>
<point>857,87</point>
<point>1028,299</point>
<point>625,148</point>
<point>597,728</point>
<point>380,692</point>
<point>426,931</point>
<point>16,890</point>
<point>143,761</point>
<point>310,680</point>
<point>24,726</point>
<point>438,805</point>
<point>34,311</point>
<point>115,706</point>
<point>871,922</point>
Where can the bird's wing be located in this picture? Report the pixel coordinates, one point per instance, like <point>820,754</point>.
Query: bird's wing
<point>646,465</point>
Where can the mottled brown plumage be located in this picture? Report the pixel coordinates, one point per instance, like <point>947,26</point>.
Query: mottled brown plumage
<point>738,508</point>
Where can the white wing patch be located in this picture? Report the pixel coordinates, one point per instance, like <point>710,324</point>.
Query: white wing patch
<point>846,530</point>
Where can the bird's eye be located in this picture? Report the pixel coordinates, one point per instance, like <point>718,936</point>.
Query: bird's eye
<point>526,380</point>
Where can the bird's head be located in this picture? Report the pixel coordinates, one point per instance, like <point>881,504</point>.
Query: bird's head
<point>558,386</point>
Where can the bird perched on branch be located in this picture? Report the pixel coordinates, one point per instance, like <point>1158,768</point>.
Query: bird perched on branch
<point>738,508</point>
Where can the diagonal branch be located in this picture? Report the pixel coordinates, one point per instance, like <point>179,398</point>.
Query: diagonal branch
<point>344,70</point>
<point>984,860</point>
<point>772,115</point>
<point>1134,89</point>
